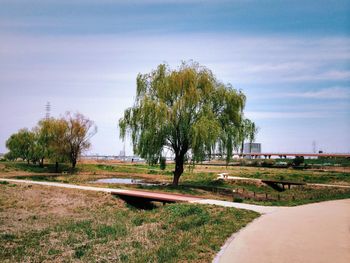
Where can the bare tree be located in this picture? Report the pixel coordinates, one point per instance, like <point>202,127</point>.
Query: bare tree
<point>78,132</point>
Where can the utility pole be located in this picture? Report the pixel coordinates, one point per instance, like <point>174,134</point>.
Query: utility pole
<point>314,146</point>
<point>48,110</point>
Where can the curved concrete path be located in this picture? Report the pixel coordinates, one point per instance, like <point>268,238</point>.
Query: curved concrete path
<point>310,233</point>
<point>257,208</point>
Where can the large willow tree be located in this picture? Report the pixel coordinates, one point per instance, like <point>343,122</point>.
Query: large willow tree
<point>186,110</point>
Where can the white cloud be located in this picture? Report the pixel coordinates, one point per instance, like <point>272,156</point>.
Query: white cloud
<point>259,115</point>
<point>327,93</point>
<point>233,58</point>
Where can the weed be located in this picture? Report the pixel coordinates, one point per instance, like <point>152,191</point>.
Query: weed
<point>138,220</point>
<point>53,251</point>
<point>7,237</point>
<point>81,250</point>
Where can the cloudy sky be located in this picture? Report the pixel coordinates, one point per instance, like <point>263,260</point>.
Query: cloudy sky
<point>291,58</point>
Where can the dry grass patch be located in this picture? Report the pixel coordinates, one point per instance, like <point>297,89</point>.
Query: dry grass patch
<point>40,223</point>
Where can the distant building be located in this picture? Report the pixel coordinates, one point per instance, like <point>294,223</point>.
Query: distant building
<point>252,147</point>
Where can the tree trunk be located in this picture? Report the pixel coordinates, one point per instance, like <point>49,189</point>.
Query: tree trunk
<point>242,149</point>
<point>179,169</point>
<point>41,162</point>
<point>74,163</point>
<point>56,167</point>
<point>250,151</point>
<point>176,179</point>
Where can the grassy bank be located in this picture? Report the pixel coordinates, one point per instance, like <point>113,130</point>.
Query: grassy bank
<point>202,181</point>
<point>330,176</point>
<point>200,173</point>
<point>51,224</point>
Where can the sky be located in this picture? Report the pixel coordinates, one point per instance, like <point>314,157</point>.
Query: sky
<point>291,59</point>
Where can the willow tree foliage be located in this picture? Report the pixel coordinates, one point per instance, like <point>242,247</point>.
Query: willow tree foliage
<point>248,132</point>
<point>44,137</point>
<point>186,110</point>
<point>52,140</point>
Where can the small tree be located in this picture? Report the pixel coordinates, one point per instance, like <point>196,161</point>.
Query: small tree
<point>298,160</point>
<point>22,145</point>
<point>57,146</point>
<point>44,137</point>
<point>78,130</point>
<point>185,110</point>
<point>162,163</point>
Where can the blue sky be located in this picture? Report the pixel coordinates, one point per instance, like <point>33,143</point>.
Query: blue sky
<point>291,58</point>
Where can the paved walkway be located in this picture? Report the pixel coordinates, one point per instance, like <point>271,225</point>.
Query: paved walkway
<point>152,195</point>
<point>310,233</point>
<point>257,208</point>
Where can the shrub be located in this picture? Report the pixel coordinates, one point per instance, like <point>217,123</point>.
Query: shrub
<point>281,177</point>
<point>268,163</point>
<point>162,163</point>
<point>9,156</point>
<point>238,199</point>
<point>251,162</point>
<point>281,164</point>
<point>298,160</point>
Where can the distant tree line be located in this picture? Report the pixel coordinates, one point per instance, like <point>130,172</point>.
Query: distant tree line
<point>56,139</point>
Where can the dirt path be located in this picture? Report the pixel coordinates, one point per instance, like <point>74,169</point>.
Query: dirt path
<point>153,195</point>
<point>309,233</point>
